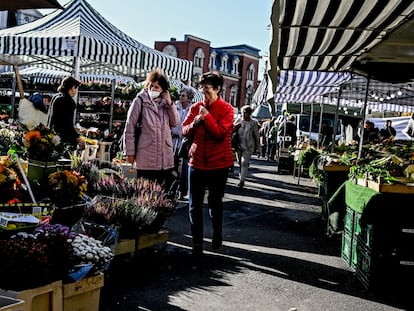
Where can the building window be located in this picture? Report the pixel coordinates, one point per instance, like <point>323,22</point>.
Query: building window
<point>223,92</point>
<point>250,73</point>
<point>170,50</point>
<point>199,58</point>
<point>235,67</point>
<point>212,63</point>
<point>249,95</point>
<point>224,60</point>
<point>233,96</point>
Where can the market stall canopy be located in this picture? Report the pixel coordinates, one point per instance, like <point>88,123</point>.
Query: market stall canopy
<point>323,88</point>
<point>329,35</point>
<point>6,5</point>
<point>48,76</point>
<point>79,40</point>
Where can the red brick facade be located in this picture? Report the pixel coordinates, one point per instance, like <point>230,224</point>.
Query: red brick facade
<point>241,65</point>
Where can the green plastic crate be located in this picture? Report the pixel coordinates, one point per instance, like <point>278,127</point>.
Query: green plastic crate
<point>346,251</point>
<point>349,219</point>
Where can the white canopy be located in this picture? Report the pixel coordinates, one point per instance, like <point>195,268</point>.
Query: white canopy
<point>79,40</point>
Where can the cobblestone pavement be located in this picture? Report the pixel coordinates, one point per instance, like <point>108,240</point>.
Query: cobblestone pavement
<point>275,256</point>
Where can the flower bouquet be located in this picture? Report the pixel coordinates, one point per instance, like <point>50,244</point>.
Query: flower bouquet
<point>10,181</point>
<point>42,144</point>
<point>65,192</point>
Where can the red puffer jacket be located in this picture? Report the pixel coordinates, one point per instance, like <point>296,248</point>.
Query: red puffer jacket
<point>211,148</point>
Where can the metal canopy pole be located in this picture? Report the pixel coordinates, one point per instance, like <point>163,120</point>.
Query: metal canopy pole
<point>335,126</point>
<point>361,129</point>
<point>320,122</point>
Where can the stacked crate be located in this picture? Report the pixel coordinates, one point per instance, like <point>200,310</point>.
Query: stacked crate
<point>381,253</point>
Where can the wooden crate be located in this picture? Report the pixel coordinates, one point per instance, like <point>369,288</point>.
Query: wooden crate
<point>125,246</point>
<point>44,298</point>
<point>333,167</point>
<point>11,304</point>
<point>379,186</point>
<point>83,295</point>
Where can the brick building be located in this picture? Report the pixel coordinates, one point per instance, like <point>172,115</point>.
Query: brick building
<point>239,65</point>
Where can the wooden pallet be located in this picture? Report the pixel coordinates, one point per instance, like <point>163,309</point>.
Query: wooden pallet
<point>131,246</point>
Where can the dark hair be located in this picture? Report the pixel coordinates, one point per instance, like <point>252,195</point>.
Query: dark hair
<point>212,77</point>
<point>157,75</point>
<point>67,83</point>
<point>247,109</point>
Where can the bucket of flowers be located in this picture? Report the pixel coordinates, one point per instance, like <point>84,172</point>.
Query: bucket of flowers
<point>43,148</point>
<point>10,184</point>
<point>65,192</point>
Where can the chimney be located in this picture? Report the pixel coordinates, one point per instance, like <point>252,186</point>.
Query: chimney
<point>173,39</point>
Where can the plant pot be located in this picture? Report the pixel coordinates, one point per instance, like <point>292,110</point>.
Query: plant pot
<point>39,171</point>
<point>155,226</point>
<point>68,215</point>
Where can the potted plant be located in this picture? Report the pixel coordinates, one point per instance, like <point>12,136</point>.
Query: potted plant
<point>136,205</point>
<point>43,148</point>
<point>65,192</point>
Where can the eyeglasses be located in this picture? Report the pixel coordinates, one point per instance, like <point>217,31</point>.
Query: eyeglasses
<point>205,87</point>
<point>183,95</point>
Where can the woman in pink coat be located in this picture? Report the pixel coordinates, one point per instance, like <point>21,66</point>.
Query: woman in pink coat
<point>153,154</point>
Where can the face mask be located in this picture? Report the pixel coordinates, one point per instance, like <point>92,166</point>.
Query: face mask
<point>153,94</point>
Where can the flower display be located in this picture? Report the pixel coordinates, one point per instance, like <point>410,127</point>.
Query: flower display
<point>42,144</point>
<point>34,259</point>
<point>10,180</point>
<point>66,187</point>
<point>10,137</point>
<point>136,205</point>
<point>49,253</point>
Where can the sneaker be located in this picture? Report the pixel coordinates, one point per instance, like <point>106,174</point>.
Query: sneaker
<point>240,184</point>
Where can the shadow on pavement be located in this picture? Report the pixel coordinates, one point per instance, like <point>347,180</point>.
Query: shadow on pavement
<point>272,228</point>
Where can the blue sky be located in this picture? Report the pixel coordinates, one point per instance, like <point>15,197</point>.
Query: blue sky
<point>222,22</point>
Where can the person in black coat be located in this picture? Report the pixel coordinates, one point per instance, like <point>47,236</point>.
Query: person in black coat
<point>62,110</point>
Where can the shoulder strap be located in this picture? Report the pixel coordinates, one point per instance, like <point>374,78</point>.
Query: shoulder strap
<point>139,122</point>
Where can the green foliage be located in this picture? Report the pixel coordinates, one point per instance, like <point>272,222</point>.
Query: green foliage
<point>307,156</point>
<point>174,93</point>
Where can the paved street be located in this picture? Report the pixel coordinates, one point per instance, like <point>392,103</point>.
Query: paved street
<point>275,256</point>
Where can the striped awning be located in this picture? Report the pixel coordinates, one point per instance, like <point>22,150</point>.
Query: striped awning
<point>79,40</point>
<point>47,76</point>
<point>329,35</point>
<point>306,86</point>
<point>323,87</point>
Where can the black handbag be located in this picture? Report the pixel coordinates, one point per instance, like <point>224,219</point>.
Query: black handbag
<point>235,137</point>
<point>185,146</point>
<point>138,127</point>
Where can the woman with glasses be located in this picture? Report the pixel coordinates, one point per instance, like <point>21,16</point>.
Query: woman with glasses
<point>62,111</point>
<point>183,107</point>
<point>211,124</point>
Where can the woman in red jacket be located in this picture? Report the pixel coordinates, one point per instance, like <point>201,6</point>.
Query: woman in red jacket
<point>210,123</point>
